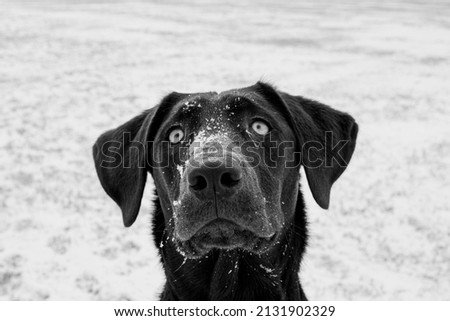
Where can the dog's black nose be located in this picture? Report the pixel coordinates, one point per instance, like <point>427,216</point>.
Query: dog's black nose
<point>212,178</point>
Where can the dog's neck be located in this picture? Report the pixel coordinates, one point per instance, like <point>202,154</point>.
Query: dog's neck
<point>236,274</point>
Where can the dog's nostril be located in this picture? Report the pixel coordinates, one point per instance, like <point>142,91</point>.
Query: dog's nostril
<point>198,183</point>
<point>209,182</point>
<point>230,179</point>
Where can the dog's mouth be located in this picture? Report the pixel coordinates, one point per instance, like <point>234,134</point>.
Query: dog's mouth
<point>226,235</point>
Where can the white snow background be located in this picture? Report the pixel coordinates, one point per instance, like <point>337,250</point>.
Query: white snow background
<point>69,70</point>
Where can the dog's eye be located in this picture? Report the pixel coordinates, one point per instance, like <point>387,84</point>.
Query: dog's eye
<point>176,136</point>
<point>260,127</point>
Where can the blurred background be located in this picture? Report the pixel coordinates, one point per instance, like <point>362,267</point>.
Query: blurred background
<point>70,70</point>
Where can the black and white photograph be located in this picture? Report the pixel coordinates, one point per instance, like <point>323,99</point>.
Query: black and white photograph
<point>199,150</point>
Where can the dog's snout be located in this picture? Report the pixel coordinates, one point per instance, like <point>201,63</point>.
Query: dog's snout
<point>210,180</point>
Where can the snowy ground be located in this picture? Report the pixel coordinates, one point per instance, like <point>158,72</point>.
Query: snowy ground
<point>71,69</point>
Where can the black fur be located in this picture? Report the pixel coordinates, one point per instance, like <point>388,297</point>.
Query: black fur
<point>247,245</point>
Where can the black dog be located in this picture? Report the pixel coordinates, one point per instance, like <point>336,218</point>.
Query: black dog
<point>229,215</point>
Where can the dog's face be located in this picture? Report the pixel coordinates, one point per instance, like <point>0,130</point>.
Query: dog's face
<point>226,166</point>
<point>224,158</point>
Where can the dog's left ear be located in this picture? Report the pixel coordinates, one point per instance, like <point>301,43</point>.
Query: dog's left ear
<point>327,139</point>
<point>122,157</point>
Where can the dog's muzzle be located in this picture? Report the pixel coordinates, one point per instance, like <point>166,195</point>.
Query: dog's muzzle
<point>220,206</point>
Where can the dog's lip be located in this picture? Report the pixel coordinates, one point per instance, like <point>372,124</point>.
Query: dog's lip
<point>222,234</point>
<point>224,228</point>
<point>226,235</point>
<point>195,250</point>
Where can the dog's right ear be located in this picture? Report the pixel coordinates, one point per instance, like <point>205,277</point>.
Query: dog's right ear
<point>121,157</point>
<point>311,121</point>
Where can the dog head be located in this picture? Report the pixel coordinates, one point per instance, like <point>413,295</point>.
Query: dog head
<point>226,166</point>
